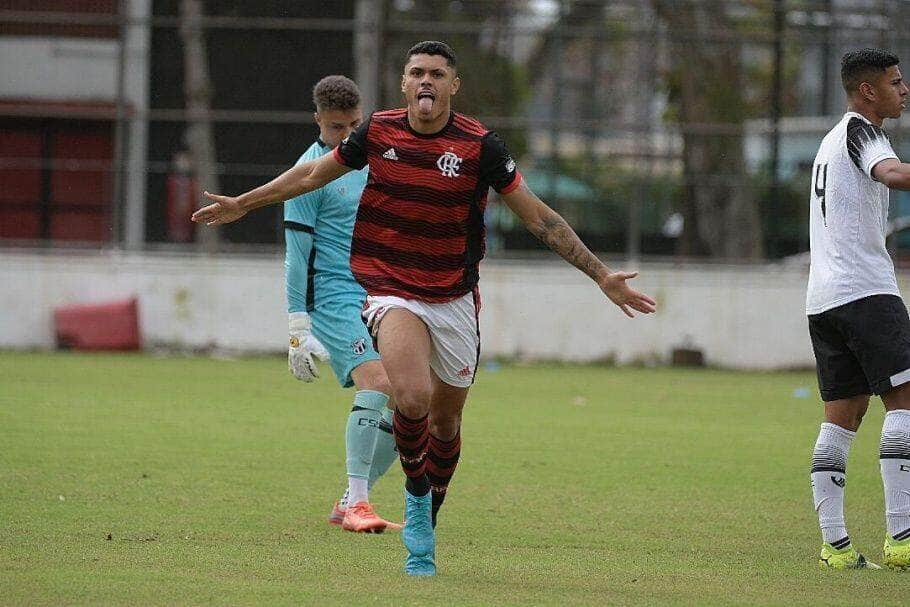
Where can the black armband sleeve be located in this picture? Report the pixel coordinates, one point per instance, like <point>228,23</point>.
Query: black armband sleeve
<point>497,168</point>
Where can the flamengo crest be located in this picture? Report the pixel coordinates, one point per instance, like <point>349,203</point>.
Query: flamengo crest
<point>449,164</point>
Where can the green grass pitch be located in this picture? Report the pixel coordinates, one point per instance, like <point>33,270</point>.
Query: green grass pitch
<point>135,480</point>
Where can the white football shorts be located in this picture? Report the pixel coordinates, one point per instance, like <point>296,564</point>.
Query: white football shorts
<point>454,332</point>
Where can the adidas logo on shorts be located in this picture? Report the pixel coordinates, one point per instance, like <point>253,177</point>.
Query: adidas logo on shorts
<point>390,154</point>
<point>466,372</point>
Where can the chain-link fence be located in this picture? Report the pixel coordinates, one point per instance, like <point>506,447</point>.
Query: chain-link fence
<point>672,128</point>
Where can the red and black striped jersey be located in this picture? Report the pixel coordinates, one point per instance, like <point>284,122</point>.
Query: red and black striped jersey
<point>419,232</point>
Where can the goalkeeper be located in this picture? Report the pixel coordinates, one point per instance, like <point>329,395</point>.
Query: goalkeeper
<point>324,306</point>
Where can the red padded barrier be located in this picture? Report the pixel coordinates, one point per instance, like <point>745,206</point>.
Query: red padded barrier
<point>109,326</point>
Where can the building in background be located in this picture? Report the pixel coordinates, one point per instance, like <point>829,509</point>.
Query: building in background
<point>92,110</point>
<point>61,95</point>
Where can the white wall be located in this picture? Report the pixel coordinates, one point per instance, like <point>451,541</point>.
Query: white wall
<point>740,316</point>
<point>59,68</point>
<point>190,301</point>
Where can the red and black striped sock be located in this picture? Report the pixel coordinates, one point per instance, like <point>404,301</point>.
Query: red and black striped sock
<point>442,458</point>
<point>411,438</point>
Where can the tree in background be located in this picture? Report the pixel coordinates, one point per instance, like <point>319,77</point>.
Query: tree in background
<point>706,96</point>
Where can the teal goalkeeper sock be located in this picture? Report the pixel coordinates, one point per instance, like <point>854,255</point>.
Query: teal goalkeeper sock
<point>362,428</point>
<point>384,453</point>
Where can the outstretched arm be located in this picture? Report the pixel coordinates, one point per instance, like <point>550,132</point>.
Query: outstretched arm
<point>547,225</point>
<point>893,173</point>
<point>297,180</point>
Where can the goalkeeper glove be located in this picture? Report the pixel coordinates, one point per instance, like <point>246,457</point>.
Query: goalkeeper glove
<point>304,347</point>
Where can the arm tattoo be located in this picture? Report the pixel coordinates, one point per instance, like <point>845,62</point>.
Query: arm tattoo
<point>553,231</point>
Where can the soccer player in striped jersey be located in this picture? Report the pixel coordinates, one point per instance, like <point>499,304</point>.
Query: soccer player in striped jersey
<point>417,242</point>
<point>324,298</point>
<point>858,322</point>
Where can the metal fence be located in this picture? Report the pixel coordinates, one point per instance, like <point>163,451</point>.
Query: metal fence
<point>671,128</point>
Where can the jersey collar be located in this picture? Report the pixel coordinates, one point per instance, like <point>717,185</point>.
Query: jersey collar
<point>432,135</point>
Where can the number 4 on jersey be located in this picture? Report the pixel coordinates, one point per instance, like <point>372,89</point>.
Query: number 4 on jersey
<point>821,178</point>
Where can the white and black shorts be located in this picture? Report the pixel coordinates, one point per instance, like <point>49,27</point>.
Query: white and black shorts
<point>861,347</point>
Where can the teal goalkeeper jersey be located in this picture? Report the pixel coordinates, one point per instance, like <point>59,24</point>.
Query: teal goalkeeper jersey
<point>330,211</point>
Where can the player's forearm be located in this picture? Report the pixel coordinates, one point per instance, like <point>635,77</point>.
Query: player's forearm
<point>551,229</point>
<point>293,182</point>
<point>898,176</point>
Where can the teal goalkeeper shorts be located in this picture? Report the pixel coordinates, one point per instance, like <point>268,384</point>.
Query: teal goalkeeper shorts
<point>340,327</point>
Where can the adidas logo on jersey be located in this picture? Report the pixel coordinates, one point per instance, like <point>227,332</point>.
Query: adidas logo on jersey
<point>390,154</point>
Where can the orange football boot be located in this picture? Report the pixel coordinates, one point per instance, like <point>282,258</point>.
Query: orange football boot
<point>360,518</point>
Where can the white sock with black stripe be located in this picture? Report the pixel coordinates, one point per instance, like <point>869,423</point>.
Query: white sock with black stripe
<point>829,478</point>
<point>895,461</point>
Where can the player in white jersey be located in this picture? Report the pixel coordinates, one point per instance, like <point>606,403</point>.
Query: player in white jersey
<point>858,322</point>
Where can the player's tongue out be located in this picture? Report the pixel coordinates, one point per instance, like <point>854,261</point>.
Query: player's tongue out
<point>425,103</point>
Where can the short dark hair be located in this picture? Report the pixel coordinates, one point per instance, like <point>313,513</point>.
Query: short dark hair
<point>336,93</point>
<point>857,67</point>
<point>431,47</point>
